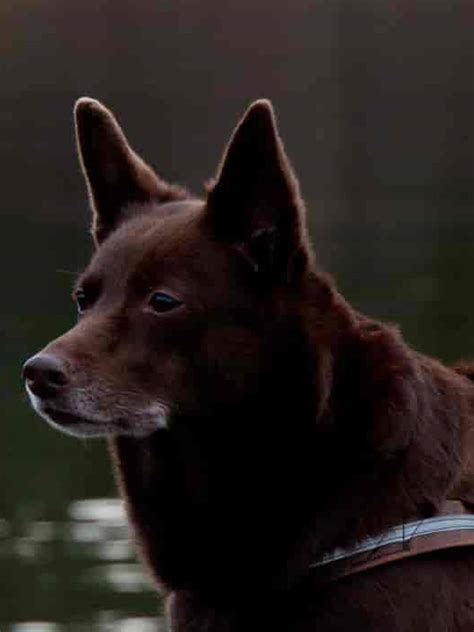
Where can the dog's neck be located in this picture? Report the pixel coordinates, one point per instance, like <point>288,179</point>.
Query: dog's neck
<point>215,493</point>
<point>252,494</point>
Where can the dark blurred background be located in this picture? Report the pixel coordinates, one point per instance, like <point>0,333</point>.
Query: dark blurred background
<point>375,101</point>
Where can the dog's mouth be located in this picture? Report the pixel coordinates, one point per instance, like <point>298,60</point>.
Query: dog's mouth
<point>72,420</point>
<point>63,418</point>
<point>79,426</point>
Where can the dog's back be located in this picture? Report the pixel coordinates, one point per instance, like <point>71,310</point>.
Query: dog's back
<point>257,421</point>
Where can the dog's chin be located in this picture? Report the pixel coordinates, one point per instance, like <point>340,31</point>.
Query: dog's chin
<point>78,425</point>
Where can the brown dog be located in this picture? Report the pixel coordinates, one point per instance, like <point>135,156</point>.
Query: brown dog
<point>257,422</point>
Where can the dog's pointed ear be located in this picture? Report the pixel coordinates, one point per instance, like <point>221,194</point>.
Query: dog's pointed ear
<point>116,177</point>
<point>254,202</point>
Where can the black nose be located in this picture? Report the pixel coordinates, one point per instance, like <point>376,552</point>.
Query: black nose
<point>45,375</point>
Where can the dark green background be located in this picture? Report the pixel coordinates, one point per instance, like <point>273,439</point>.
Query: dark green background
<point>375,102</point>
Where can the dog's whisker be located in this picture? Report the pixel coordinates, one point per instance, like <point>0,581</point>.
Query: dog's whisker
<point>67,272</point>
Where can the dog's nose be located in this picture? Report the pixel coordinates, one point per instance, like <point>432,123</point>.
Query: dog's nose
<point>45,375</point>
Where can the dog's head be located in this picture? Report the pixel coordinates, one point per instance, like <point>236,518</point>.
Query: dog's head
<point>178,305</point>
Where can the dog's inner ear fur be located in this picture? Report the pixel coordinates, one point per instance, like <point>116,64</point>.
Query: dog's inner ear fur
<point>255,203</point>
<point>117,178</point>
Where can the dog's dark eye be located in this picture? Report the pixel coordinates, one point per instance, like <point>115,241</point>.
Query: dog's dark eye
<point>83,301</point>
<point>161,302</point>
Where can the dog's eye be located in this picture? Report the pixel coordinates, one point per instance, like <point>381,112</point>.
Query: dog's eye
<point>83,301</point>
<point>161,302</point>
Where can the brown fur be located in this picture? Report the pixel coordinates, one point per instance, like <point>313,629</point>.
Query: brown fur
<point>295,424</point>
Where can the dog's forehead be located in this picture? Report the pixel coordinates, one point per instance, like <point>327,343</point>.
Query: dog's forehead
<point>163,237</point>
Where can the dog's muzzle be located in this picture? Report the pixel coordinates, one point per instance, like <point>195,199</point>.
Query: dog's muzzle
<point>86,411</point>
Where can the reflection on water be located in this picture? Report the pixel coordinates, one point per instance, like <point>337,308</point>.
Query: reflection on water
<point>93,540</point>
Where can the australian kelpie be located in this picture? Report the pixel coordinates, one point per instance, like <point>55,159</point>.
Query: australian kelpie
<point>257,422</point>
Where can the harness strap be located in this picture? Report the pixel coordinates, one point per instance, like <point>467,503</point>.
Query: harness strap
<point>452,527</point>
